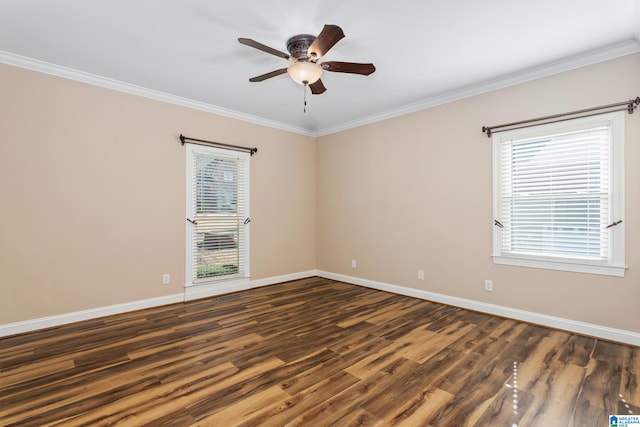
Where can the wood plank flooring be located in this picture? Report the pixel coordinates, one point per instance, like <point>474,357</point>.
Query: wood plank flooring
<point>313,352</point>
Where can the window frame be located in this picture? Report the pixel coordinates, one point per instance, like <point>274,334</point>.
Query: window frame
<point>614,265</point>
<point>243,275</point>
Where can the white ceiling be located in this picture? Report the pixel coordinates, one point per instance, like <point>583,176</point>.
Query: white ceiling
<point>426,52</point>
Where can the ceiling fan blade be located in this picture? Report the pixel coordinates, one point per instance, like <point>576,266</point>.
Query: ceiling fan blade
<point>264,48</point>
<point>328,37</point>
<point>317,88</point>
<point>268,75</point>
<point>348,67</point>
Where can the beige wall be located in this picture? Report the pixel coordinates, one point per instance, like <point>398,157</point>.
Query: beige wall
<point>92,198</point>
<point>92,195</point>
<point>415,192</point>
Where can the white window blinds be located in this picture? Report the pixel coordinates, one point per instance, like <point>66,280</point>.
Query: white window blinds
<point>219,213</point>
<point>554,193</point>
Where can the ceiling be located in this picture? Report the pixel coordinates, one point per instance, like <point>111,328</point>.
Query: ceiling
<point>426,52</point>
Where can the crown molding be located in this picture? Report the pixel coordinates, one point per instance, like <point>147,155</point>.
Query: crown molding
<point>108,83</point>
<point>566,64</point>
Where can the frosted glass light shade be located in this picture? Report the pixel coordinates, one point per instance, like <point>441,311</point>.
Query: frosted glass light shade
<point>305,72</point>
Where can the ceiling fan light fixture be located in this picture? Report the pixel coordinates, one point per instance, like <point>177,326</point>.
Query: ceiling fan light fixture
<point>304,52</point>
<point>305,73</point>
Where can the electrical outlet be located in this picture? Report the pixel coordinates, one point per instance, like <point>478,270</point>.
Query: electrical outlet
<point>353,263</point>
<point>421,274</point>
<point>488,285</point>
<point>166,278</point>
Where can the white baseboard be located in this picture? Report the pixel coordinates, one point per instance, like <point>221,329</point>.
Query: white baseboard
<point>210,290</point>
<point>77,316</point>
<point>604,332</point>
<point>190,293</point>
<point>204,291</point>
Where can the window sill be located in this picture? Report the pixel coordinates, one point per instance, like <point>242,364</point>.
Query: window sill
<point>606,270</point>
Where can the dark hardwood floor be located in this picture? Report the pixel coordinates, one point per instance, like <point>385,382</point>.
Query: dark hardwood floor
<point>313,352</point>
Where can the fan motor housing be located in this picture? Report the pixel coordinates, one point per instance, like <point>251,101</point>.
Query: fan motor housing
<point>298,46</point>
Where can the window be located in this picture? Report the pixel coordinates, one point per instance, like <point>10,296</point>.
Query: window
<point>218,210</point>
<point>558,196</point>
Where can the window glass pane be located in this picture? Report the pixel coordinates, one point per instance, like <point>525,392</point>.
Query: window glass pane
<point>555,192</point>
<point>560,226</point>
<point>216,185</point>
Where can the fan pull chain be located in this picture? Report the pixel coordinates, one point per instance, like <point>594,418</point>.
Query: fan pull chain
<point>304,89</point>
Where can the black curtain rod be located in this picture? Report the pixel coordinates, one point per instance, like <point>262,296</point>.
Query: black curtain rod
<point>185,139</point>
<point>629,106</point>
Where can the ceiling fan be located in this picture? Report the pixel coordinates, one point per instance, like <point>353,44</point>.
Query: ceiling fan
<point>304,52</point>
